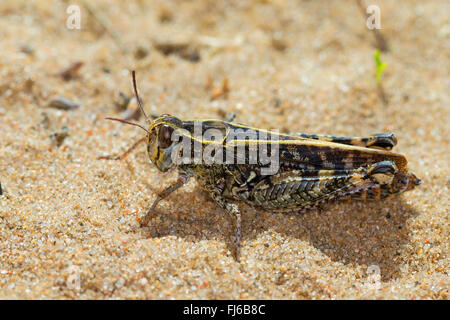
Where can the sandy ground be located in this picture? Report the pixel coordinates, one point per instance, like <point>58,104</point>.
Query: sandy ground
<point>69,222</point>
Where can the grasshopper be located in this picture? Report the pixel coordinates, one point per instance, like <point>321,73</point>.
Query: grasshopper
<point>312,169</point>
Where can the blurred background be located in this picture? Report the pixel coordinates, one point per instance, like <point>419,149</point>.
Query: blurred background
<point>293,65</point>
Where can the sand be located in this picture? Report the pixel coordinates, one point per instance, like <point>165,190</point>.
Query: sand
<point>69,223</point>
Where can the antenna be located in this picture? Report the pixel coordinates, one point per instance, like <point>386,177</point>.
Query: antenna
<point>133,73</point>
<point>127,122</point>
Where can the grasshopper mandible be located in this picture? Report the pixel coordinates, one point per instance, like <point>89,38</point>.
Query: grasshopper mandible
<point>312,169</point>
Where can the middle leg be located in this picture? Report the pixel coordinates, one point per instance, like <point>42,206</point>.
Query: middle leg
<point>235,215</point>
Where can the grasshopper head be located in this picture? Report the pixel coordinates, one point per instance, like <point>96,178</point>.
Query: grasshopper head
<point>159,135</point>
<point>160,143</point>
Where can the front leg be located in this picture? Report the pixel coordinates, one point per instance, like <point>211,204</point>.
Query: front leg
<point>182,179</point>
<point>126,153</point>
<point>235,215</point>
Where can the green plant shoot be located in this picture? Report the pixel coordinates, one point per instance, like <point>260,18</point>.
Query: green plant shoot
<point>380,66</point>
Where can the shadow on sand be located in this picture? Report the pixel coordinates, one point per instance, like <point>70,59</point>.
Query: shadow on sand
<point>370,233</point>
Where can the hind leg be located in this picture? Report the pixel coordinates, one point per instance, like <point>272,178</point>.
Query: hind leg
<point>384,141</point>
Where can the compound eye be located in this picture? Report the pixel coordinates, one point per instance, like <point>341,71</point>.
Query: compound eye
<point>165,136</point>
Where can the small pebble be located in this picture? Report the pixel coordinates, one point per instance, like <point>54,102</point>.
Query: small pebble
<point>63,104</point>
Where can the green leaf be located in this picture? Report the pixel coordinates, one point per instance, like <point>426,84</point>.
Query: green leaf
<point>380,66</point>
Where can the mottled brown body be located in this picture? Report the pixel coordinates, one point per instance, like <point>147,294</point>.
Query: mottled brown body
<point>312,169</point>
